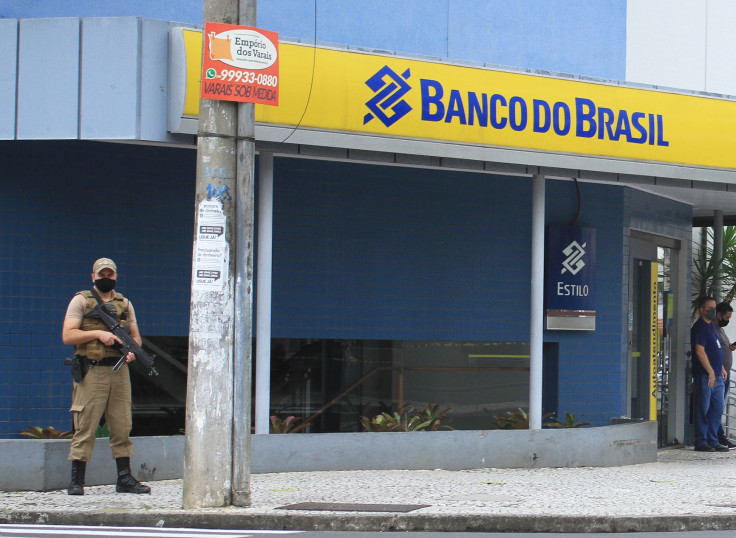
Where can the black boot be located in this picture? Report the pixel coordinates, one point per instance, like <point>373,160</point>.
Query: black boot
<point>77,484</point>
<point>126,482</point>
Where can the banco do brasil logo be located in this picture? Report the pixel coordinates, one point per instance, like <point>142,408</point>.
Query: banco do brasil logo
<point>387,105</point>
<point>574,261</point>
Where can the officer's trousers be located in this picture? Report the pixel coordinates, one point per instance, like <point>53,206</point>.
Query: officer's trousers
<point>102,391</point>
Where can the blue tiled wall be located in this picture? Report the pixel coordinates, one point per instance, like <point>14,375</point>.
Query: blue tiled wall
<point>592,366</point>
<point>649,213</point>
<point>360,251</point>
<point>377,252</point>
<point>395,253</point>
<point>65,204</point>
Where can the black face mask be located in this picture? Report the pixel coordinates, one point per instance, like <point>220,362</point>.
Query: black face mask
<point>105,284</point>
<point>723,322</point>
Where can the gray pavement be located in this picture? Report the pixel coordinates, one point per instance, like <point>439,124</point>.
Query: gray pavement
<point>683,490</point>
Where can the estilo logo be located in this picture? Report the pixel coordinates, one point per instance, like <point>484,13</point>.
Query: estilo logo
<point>574,261</point>
<point>387,105</point>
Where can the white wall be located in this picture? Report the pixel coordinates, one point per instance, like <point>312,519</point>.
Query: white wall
<point>683,44</point>
<point>720,67</point>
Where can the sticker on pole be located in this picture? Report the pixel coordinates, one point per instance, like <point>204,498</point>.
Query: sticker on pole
<point>211,252</point>
<point>240,63</point>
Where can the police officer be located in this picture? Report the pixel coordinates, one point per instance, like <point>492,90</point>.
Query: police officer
<point>101,390</point>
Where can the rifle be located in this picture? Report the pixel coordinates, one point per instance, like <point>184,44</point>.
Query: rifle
<point>128,344</point>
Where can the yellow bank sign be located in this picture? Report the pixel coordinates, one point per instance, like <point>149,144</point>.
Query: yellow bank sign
<point>354,92</point>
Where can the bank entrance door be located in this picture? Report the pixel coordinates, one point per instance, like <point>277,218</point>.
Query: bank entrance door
<point>652,329</point>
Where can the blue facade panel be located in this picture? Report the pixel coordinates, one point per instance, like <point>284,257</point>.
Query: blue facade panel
<point>109,85</point>
<point>585,38</point>
<point>171,10</point>
<point>48,79</point>
<point>8,77</point>
<point>411,26</point>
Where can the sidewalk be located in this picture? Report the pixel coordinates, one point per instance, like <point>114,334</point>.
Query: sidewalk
<point>683,490</point>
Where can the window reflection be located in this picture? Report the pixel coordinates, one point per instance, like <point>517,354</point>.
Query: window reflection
<point>331,384</point>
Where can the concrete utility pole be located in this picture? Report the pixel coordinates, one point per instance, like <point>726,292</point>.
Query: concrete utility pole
<point>217,442</point>
<point>246,147</point>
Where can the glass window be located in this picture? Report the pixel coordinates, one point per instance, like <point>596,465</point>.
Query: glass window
<point>329,385</point>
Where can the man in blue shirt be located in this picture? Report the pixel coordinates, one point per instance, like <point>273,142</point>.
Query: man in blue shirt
<point>708,377</point>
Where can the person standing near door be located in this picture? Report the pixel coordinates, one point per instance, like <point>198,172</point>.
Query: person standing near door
<point>708,377</point>
<point>724,311</point>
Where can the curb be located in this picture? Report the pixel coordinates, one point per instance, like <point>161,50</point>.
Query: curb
<point>235,519</point>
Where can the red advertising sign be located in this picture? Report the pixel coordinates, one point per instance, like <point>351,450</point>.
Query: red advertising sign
<point>240,63</point>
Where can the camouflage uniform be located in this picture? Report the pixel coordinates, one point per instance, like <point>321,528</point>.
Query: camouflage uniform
<point>102,390</point>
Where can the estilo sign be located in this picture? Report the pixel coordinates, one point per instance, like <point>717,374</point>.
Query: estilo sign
<point>569,277</point>
<point>240,63</point>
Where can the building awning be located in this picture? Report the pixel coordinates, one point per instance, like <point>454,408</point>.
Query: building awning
<point>364,100</point>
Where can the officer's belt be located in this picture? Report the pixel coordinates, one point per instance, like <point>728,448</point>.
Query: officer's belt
<point>107,361</point>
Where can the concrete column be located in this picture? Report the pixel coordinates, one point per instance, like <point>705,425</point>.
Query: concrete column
<point>679,373</point>
<point>263,292</point>
<point>536,317</point>
<point>217,442</point>
<point>208,444</point>
<point>243,341</point>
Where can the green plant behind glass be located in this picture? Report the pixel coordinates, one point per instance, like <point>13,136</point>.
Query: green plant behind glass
<point>430,418</point>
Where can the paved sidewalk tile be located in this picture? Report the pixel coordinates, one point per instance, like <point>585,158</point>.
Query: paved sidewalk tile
<point>682,483</point>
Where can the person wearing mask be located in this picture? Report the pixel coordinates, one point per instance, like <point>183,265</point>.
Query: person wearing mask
<point>708,376</point>
<point>724,311</point>
<point>101,390</point>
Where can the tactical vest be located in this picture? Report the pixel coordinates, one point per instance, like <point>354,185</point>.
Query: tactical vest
<point>96,350</point>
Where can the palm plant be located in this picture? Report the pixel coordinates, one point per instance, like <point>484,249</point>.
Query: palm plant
<point>728,267</point>
<point>707,268</point>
